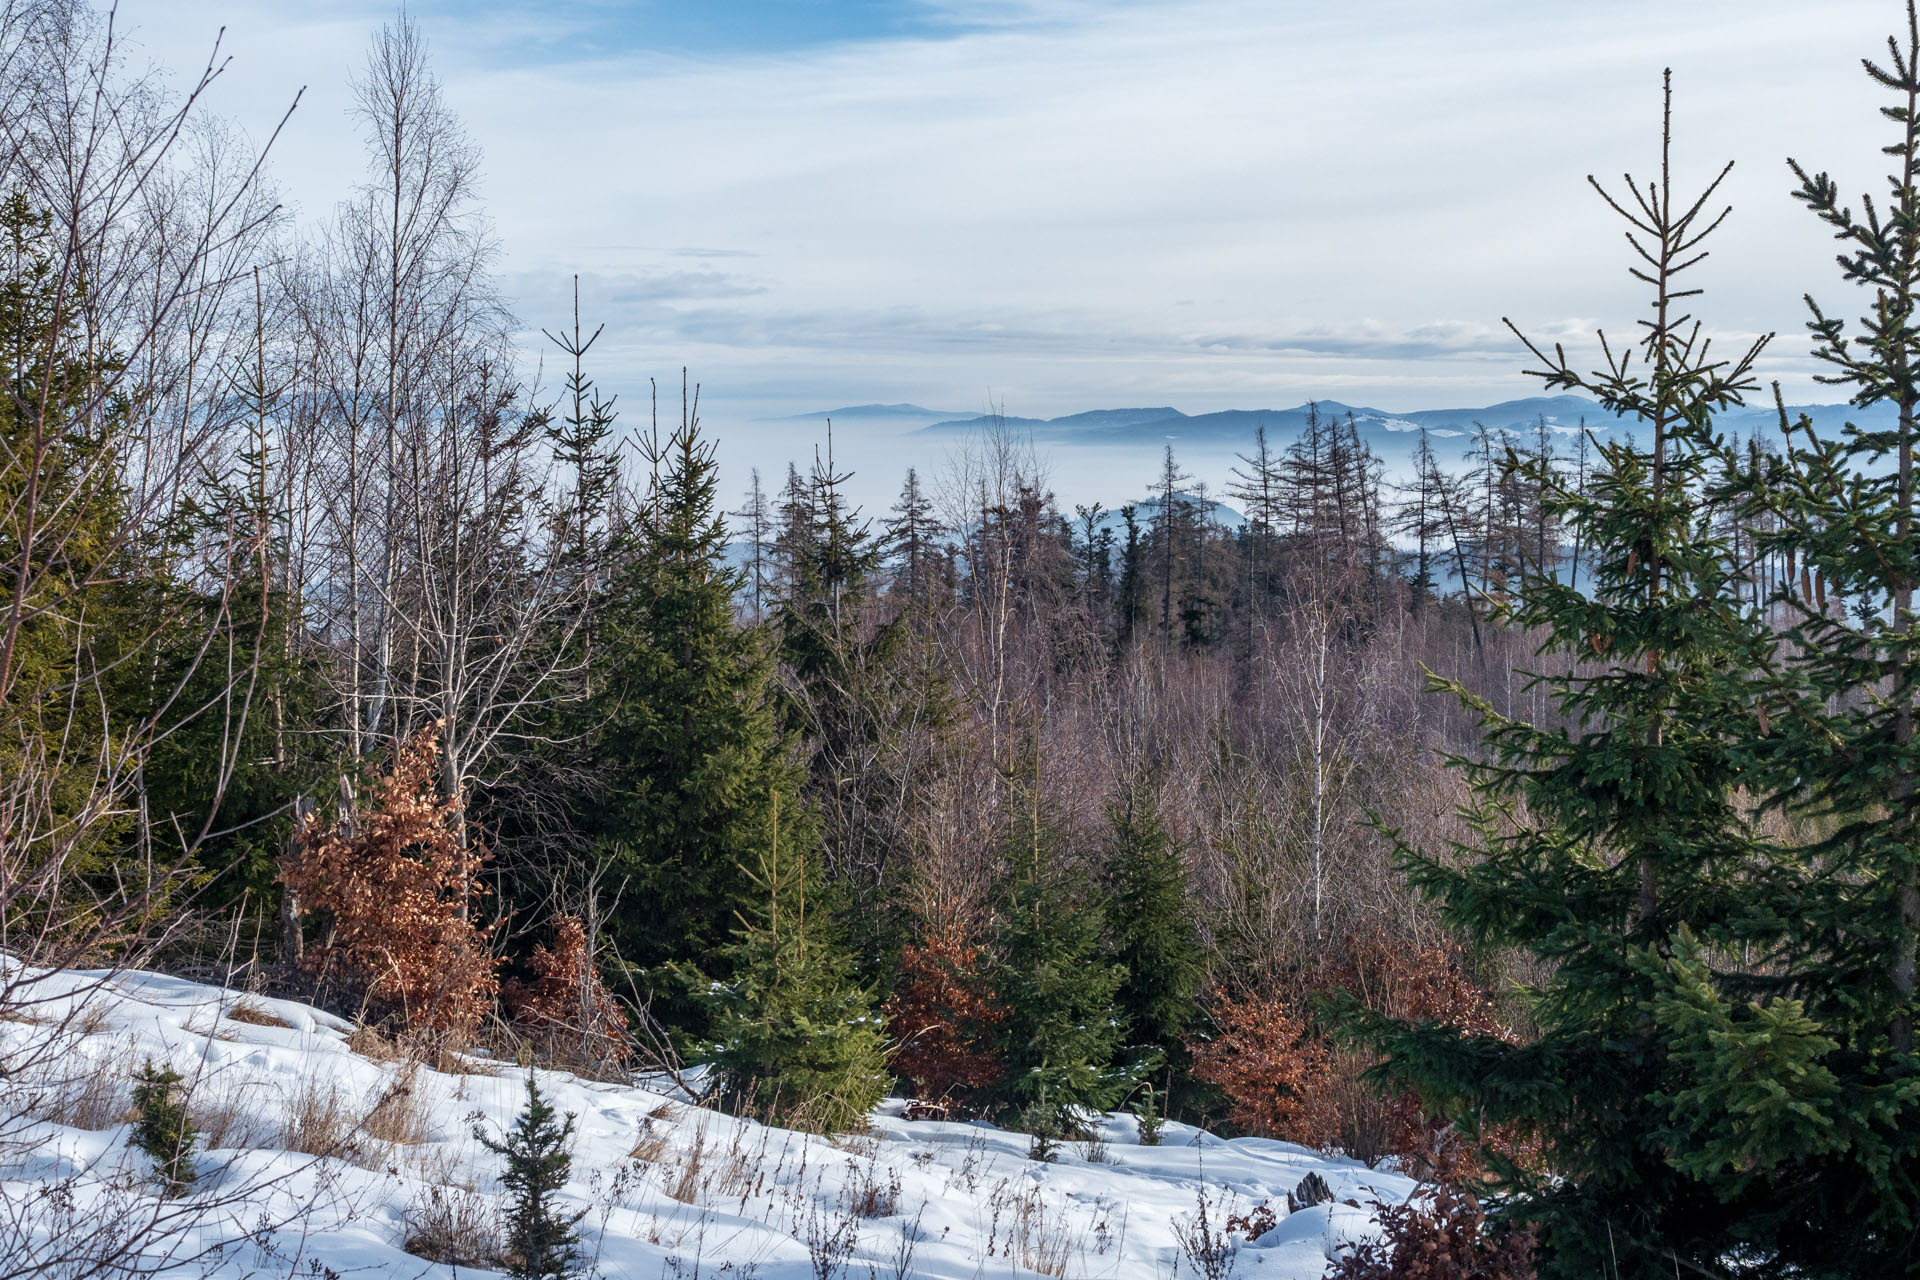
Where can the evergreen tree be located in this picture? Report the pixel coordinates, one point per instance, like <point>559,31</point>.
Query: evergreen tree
<point>797,1040</point>
<point>1682,1102</point>
<point>1062,1029</point>
<point>1155,942</point>
<point>1833,730</point>
<point>1257,487</point>
<point>912,539</point>
<point>688,767</point>
<point>64,552</point>
<point>162,1128</point>
<point>580,437</point>
<point>1421,517</point>
<point>849,680</point>
<point>543,1242</point>
<point>756,522</point>
<point>1131,605</point>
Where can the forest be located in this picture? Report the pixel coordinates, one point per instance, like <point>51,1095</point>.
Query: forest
<point>1540,822</point>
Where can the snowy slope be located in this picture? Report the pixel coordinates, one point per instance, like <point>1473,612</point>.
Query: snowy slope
<point>669,1190</point>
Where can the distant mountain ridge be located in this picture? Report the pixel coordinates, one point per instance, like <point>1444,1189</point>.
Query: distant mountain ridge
<point>1564,414</point>
<point>859,411</point>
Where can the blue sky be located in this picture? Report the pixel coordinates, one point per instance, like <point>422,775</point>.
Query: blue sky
<point>1067,204</point>
<point>719,27</point>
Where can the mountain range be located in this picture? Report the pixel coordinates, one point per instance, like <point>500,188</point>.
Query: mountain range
<point>1563,414</point>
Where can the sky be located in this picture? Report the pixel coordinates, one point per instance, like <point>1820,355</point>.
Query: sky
<point>1058,205</point>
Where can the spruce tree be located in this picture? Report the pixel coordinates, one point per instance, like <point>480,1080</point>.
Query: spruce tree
<point>64,553</point>
<point>543,1242</point>
<point>1679,1097</point>
<point>848,678</point>
<point>1155,943</point>
<point>688,766</point>
<point>163,1130</point>
<point>797,1039</point>
<point>1833,732</point>
<point>1062,1030</point>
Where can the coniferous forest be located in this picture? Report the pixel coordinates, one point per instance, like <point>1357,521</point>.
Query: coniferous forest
<point>1538,821</point>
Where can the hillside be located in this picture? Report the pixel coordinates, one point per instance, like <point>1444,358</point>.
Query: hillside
<point>325,1156</point>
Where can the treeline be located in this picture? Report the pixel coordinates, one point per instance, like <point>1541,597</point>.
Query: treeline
<point>337,660</point>
<point>341,661</point>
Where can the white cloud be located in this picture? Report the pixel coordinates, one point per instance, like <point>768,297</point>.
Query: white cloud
<point>1210,203</point>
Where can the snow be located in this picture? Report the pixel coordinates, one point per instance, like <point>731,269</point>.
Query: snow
<point>668,1189</point>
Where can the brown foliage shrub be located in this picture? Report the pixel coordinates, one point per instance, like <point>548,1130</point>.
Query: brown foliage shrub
<point>1269,1065</point>
<point>398,887</point>
<point>565,1008</point>
<point>1284,1078</point>
<point>939,1015</point>
<point>1440,1233</point>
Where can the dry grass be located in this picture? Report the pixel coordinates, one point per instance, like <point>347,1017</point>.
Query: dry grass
<point>455,1226</point>
<point>398,1117</point>
<point>1042,1241</point>
<point>212,1031</point>
<point>320,1121</point>
<point>371,1042</point>
<point>255,1014</point>
<point>686,1187</point>
<point>90,1019</point>
<point>223,1118</point>
<point>78,1089</point>
<point>650,1144</point>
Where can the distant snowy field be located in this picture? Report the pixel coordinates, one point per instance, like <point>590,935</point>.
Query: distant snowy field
<point>668,1189</point>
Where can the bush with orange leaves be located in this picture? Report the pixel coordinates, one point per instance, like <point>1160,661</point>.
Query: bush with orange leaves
<point>1283,1077</point>
<point>398,887</point>
<point>564,1007</point>
<point>939,1015</point>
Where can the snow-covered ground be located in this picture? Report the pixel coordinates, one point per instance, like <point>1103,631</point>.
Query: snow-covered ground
<point>668,1189</point>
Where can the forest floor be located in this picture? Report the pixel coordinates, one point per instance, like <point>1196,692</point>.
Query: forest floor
<point>322,1157</point>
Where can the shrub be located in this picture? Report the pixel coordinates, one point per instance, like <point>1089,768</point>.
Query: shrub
<point>542,1241</point>
<point>452,1225</point>
<point>1263,1058</point>
<point>565,1007</point>
<point>1285,1077</point>
<point>1440,1233</point>
<point>940,1014</point>
<point>398,884</point>
<point>163,1130</point>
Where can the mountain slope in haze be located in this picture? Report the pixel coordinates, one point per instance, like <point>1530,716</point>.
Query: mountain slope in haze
<point>866,412</point>
<point>1390,433</point>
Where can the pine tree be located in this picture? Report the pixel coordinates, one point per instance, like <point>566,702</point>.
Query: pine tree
<point>1131,601</point>
<point>1257,487</point>
<point>1421,517</point>
<point>796,1039</point>
<point>543,1242</point>
<point>1679,1098</point>
<point>64,551</point>
<point>913,534</point>
<point>756,523</point>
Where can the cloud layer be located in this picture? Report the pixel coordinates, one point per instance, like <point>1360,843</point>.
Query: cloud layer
<point>1063,204</point>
